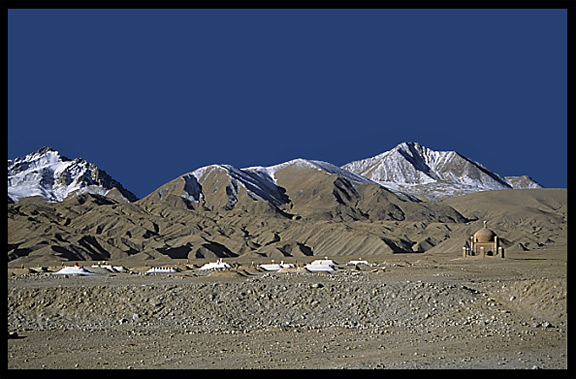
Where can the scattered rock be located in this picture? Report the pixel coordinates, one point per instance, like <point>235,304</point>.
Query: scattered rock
<point>412,311</point>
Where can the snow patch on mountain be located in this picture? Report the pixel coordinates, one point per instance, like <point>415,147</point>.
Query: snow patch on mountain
<point>522,182</point>
<point>317,165</point>
<point>54,177</point>
<point>259,185</point>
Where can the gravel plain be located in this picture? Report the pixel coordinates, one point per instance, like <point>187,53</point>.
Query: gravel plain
<point>409,311</point>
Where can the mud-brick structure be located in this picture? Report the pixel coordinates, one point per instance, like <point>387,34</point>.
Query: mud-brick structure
<point>483,243</point>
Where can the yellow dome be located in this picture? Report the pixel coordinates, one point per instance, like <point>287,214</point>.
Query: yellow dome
<point>484,235</point>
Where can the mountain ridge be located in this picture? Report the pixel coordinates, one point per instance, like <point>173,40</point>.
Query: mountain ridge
<point>410,170</point>
<point>298,208</point>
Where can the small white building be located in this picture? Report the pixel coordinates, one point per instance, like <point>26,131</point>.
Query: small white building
<point>275,266</point>
<point>110,267</point>
<point>218,265</point>
<point>320,265</point>
<point>358,262</point>
<point>73,270</point>
<point>161,270</point>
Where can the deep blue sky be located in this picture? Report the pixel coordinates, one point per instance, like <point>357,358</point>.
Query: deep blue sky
<point>148,95</point>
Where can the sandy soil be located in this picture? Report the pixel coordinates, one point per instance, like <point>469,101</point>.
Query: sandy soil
<point>407,311</point>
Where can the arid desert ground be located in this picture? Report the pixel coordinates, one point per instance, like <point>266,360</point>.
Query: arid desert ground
<point>406,311</point>
<point>419,304</point>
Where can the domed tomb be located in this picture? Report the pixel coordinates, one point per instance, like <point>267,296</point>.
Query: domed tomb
<point>484,235</point>
<point>484,242</point>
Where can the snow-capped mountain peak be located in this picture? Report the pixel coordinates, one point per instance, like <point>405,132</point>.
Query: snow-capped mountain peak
<point>54,177</point>
<point>409,169</point>
<point>418,170</point>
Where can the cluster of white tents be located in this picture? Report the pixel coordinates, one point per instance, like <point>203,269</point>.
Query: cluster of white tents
<point>218,265</point>
<point>321,265</point>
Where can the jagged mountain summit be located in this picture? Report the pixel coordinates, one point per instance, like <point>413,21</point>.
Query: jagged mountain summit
<point>415,169</point>
<point>48,174</point>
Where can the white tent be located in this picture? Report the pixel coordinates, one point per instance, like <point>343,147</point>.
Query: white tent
<point>318,268</point>
<point>73,270</point>
<point>218,265</point>
<point>161,269</point>
<point>321,265</point>
<point>358,262</point>
<point>326,261</point>
<point>275,266</point>
<point>110,267</point>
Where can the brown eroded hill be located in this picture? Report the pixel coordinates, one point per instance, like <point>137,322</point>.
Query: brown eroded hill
<point>317,194</point>
<point>219,188</point>
<point>311,190</point>
<point>336,218</point>
<point>525,218</point>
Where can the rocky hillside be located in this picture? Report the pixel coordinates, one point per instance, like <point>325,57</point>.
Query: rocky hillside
<point>71,210</point>
<point>92,227</point>
<point>312,190</point>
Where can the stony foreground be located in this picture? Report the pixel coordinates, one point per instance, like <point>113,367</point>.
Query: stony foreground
<point>425,313</point>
